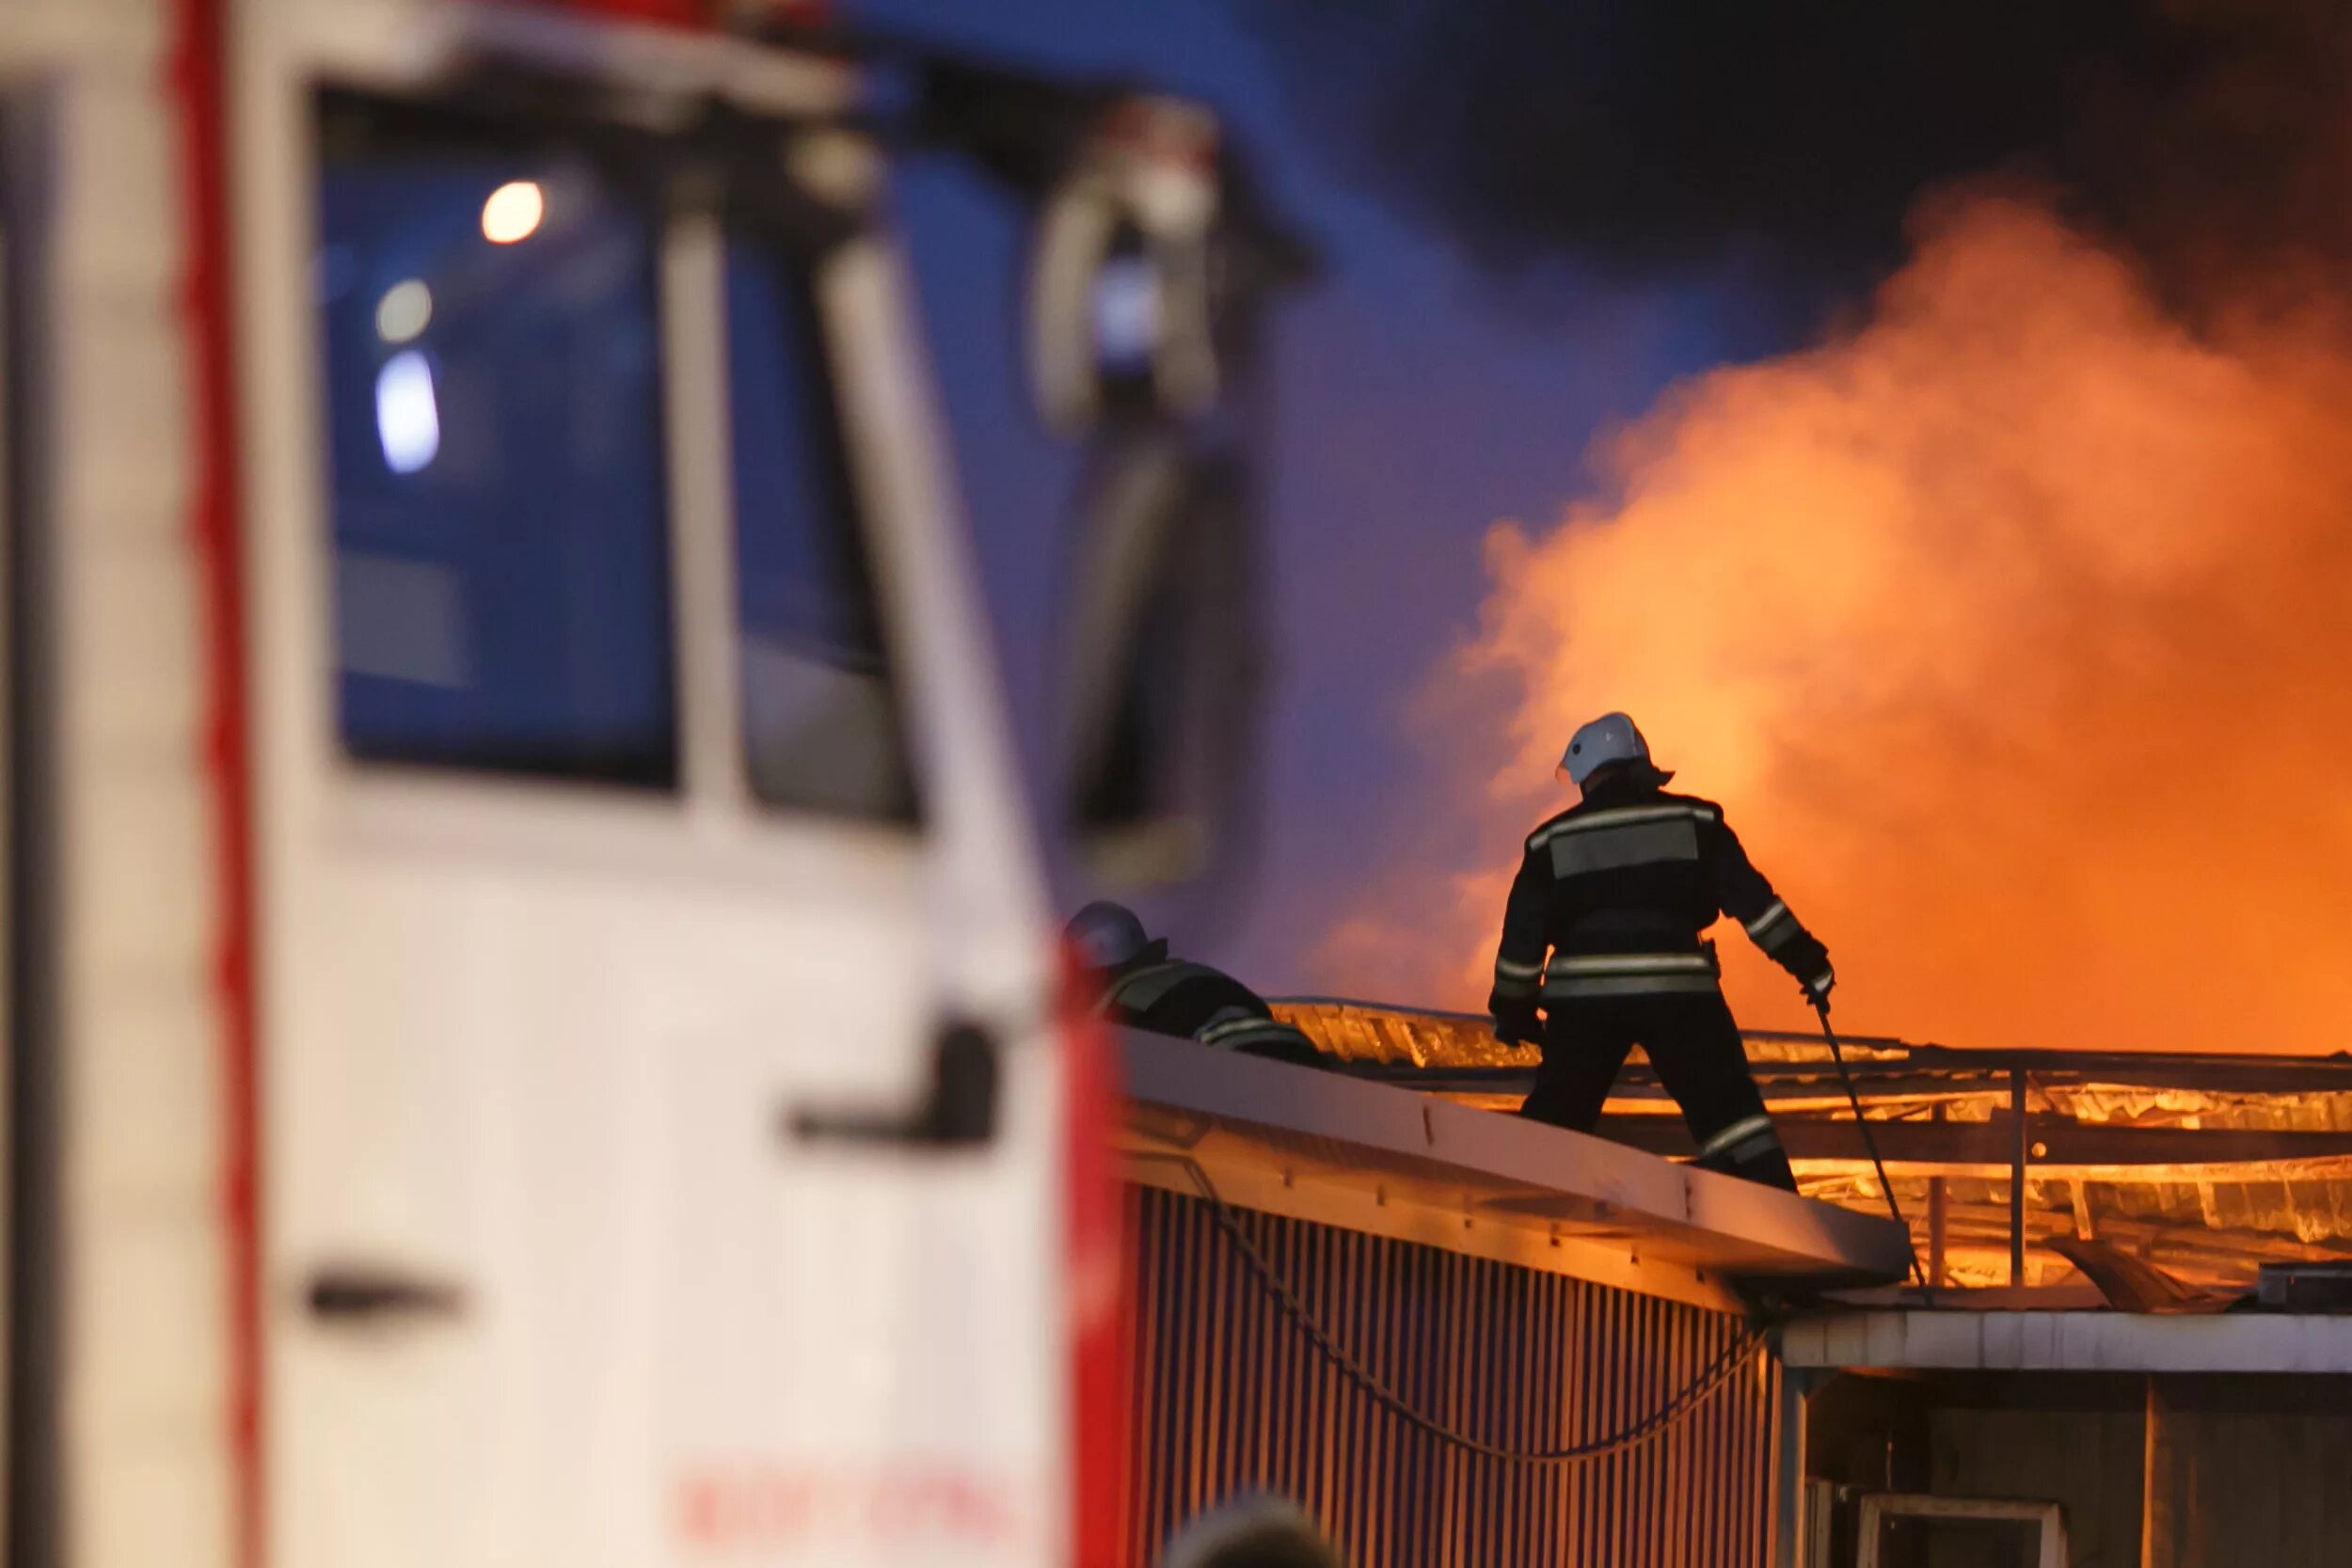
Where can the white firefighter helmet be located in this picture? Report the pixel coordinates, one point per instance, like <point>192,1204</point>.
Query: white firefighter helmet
<point>1610,737</point>
<point>1106,935</point>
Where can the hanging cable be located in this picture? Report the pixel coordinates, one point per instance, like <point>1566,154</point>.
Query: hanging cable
<point>1870,1142</point>
<point>1710,1379</point>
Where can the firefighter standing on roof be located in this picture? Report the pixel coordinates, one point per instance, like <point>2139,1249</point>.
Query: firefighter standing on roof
<point>1135,982</point>
<point>1617,889</point>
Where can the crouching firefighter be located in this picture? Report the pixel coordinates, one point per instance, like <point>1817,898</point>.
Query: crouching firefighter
<point>1135,982</point>
<point>1617,891</point>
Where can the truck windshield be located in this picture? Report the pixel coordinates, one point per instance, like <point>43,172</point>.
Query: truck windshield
<point>491,312</point>
<point>501,582</point>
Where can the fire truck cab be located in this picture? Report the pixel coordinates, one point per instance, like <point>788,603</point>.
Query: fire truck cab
<point>531,991</point>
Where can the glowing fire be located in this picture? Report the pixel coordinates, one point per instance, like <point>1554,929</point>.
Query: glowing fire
<point>2010,627</point>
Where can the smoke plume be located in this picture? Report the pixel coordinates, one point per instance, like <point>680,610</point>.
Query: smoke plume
<point>2014,629</point>
<point>2008,618</point>
<point>2201,136</point>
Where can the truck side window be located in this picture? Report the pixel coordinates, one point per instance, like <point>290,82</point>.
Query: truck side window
<point>821,720</point>
<point>490,312</point>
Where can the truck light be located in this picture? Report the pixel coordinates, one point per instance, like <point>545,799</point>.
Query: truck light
<point>513,212</point>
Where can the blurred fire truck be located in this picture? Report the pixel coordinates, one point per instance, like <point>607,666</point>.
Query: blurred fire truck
<point>530,988</point>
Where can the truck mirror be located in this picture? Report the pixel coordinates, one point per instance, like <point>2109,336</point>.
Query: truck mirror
<point>1160,665</point>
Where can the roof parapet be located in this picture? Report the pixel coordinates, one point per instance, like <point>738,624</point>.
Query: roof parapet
<point>1368,1156</point>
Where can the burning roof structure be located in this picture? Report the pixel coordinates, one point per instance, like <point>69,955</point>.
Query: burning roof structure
<point>2204,1167</point>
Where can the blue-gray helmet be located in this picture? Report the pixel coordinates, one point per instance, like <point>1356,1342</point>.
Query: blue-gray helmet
<point>1106,935</point>
<point>1254,1531</point>
<point>1610,737</point>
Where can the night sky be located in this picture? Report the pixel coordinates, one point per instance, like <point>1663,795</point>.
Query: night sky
<point>1422,397</point>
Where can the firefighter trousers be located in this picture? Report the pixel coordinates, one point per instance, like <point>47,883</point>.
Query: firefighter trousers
<point>1694,1045</point>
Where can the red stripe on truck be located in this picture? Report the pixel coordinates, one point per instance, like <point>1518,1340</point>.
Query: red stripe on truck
<point>1095,1287</point>
<point>199,59</point>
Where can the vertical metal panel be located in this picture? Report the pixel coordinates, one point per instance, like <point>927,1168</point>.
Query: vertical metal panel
<point>1231,1397</point>
<point>2241,1469</point>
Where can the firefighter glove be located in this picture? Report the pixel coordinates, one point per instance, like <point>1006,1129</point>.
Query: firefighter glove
<point>1806,959</point>
<point>1518,1026</point>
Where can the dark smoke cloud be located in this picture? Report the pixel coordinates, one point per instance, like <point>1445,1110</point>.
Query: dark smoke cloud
<point>2204,136</point>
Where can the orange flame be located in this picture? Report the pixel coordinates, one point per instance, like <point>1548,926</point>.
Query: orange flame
<point>2013,629</point>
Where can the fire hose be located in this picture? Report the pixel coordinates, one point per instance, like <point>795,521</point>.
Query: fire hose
<point>1708,1381</point>
<point>1870,1143</point>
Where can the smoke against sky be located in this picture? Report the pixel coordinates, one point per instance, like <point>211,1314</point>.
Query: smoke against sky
<point>1654,135</point>
<point>2010,627</point>
<point>2006,618</point>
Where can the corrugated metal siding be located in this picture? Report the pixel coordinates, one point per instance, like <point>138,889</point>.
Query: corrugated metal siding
<point>1230,1397</point>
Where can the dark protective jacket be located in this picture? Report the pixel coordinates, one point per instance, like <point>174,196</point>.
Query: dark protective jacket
<point>1612,894</point>
<point>1169,996</point>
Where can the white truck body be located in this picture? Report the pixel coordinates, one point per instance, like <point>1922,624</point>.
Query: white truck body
<point>407,1164</point>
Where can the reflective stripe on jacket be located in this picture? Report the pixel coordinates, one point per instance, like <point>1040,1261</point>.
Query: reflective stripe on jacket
<point>1175,997</point>
<point>1629,973</point>
<point>1135,993</point>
